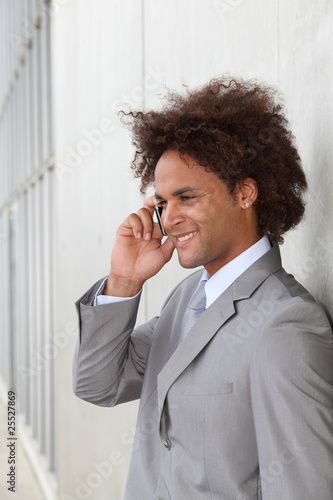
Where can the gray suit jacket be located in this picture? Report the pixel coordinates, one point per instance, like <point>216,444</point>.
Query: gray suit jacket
<point>240,410</point>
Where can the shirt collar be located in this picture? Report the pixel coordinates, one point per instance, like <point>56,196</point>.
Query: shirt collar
<point>225,276</point>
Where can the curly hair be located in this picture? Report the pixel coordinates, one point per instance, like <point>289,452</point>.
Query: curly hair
<point>236,129</point>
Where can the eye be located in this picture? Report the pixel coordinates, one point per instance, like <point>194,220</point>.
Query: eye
<point>187,198</point>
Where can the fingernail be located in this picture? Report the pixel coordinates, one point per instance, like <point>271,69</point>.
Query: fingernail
<point>148,236</point>
<point>139,236</point>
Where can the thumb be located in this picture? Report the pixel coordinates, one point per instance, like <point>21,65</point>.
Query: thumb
<point>167,249</point>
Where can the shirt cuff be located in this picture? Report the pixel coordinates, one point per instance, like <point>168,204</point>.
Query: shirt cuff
<point>101,299</point>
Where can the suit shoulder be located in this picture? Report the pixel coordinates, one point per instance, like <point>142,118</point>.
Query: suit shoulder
<point>296,338</point>
<point>284,287</point>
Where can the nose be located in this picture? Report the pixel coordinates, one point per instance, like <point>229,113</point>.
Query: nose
<point>171,216</point>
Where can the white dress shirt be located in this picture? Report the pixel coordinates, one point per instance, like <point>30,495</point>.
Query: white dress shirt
<point>216,284</point>
<point>225,276</point>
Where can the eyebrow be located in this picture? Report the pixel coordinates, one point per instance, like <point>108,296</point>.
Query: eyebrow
<point>179,192</point>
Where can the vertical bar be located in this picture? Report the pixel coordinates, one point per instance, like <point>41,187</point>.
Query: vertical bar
<point>39,95</point>
<point>14,106</point>
<point>31,301</point>
<point>50,239</point>
<point>20,129</point>
<point>2,289</point>
<point>10,108</point>
<point>39,360</point>
<point>26,106</point>
<point>12,381</point>
<point>48,83</point>
<point>3,41</point>
<point>32,107</point>
<point>45,332</point>
<point>36,100</point>
<point>5,124</point>
<point>48,317</point>
<point>23,365</point>
<point>40,303</point>
<point>27,115</point>
<point>4,298</point>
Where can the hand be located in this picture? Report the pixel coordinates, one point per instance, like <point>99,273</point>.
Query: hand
<point>138,252</point>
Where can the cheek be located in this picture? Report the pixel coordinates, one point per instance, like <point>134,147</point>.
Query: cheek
<point>210,219</point>
<point>202,215</point>
<point>193,215</point>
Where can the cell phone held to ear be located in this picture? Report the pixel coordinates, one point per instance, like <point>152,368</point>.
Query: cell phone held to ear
<point>158,212</point>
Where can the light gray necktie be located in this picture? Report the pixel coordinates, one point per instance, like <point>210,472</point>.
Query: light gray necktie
<point>195,308</point>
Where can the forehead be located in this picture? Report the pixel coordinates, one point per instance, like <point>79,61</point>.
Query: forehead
<point>175,170</point>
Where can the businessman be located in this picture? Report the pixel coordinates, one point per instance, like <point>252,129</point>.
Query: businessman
<point>235,375</point>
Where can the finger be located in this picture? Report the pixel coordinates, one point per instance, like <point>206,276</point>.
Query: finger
<point>167,249</point>
<point>147,222</point>
<point>134,222</point>
<point>150,204</point>
<point>157,233</point>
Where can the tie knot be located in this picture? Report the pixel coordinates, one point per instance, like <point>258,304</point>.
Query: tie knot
<point>198,300</point>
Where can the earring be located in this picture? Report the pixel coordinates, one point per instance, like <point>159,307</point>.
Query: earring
<point>247,204</point>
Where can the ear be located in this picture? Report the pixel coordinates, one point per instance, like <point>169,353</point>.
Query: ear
<point>248,192</point>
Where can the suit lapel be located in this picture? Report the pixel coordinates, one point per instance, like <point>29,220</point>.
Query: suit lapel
<point>196,339</point>
<point>213,319</point>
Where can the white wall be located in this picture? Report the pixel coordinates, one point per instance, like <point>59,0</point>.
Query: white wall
<point>106,54</point>
<point>306,78</point>
<point>97,61</point>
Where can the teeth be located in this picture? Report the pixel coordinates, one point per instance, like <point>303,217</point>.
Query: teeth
<point>186,237</point>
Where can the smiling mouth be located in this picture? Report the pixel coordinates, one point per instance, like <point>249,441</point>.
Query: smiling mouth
<point>186,237</point>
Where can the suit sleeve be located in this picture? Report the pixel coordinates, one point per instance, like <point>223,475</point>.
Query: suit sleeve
<point>291,379</point>
<point>110,355</point>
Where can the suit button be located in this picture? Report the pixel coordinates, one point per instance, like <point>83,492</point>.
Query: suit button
<point>166,443</point>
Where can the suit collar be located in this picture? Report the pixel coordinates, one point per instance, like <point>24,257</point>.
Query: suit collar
<point>252,278</point>
<point>213,318</point>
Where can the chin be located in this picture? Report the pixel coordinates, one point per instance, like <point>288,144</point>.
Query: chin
<point>189,263</point>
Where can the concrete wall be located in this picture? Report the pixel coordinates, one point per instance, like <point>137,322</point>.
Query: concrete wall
<point>97,62</point>
<point>108,54</point>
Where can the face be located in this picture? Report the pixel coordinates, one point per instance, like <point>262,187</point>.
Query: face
<point>206,224</point>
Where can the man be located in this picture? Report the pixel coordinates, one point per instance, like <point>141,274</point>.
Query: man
<point>235,376</point>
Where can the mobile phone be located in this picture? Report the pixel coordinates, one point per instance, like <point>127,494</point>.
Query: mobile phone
<point>158,212</point>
